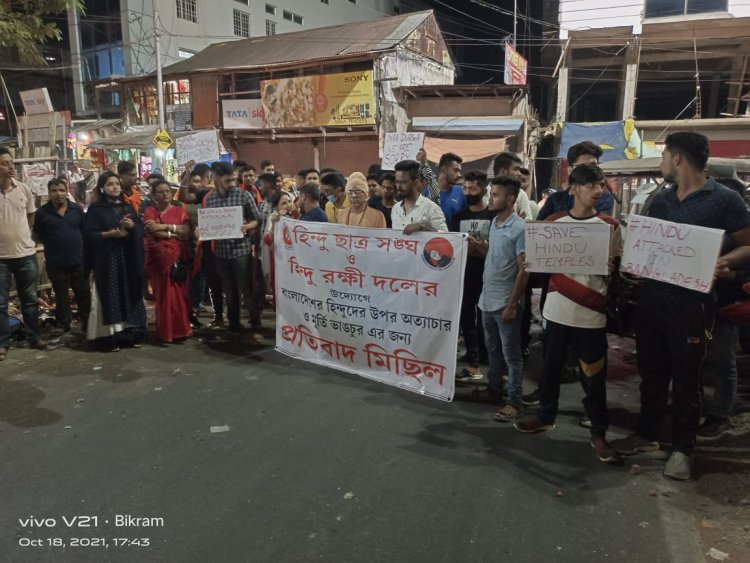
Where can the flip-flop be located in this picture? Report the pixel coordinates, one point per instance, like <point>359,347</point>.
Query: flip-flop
<point>507,414</point>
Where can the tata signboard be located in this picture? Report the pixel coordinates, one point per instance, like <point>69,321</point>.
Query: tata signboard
<point>242,114</point>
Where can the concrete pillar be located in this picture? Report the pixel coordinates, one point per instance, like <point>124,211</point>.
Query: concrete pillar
<point>563,94</point>
<point>628,95</point>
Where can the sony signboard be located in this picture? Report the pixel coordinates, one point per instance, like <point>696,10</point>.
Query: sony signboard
<point>242,114</point>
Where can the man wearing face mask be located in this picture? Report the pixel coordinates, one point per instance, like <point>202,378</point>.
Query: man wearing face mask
<point>475,221</point>
<point>333,185</point>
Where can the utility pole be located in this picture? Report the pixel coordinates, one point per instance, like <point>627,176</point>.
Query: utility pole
<point>159,89</point>
<point>515,23</point>
<point>159,82</point>
<point>77,61</point>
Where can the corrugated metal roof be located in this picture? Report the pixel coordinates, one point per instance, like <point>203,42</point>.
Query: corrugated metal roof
<point>344,40</point>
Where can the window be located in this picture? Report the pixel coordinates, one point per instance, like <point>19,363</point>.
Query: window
<point>241,21</point>
<point>245,2</point>
<point>270,9</point>
<point>292,17</point>
<point>665,8</point>
<point>352,1</point>
<point>324,2</point>
<point>185,53</point>
<point>270,27</point>
<point>187,10</point>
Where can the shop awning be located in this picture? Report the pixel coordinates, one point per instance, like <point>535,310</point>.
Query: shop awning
<point>95,125</point>
<point>468,149</point>
<point>502,125</point>
<point>134,139</point>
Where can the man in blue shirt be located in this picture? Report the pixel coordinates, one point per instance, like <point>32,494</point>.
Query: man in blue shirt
<point>504,283</point>
<point>585,153</point>
<point>58,224</point>
<point>309,204</point>
<point>451,196</point>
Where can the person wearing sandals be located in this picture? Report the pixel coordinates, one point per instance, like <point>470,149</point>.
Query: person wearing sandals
<point>113,238</point>
<point>504,283</point>
<point>575,314</point>
<point>475,222</point>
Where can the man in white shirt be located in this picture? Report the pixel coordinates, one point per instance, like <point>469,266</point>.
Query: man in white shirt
<point>508,164</point>
<point>414,212</point>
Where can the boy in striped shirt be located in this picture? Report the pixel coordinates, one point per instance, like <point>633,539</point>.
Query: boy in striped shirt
<point>575,314</point>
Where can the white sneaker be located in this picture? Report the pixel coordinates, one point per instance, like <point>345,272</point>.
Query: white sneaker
<point>679,466</point>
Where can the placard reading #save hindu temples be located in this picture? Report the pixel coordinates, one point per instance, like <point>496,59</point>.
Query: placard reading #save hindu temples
<point>568,248</point>
<point>371,302</point>
<point>675,253</point>
<point>218,223</point>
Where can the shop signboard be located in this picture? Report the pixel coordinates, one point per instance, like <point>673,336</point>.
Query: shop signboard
<point>242,114</point>
<point>332,100</point>
<point>515,66</point>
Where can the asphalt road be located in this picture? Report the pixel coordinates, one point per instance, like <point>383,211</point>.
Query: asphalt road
<point>316,465</point>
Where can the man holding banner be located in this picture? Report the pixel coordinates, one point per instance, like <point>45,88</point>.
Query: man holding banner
<point>575,311</point>
<point>675,317</point>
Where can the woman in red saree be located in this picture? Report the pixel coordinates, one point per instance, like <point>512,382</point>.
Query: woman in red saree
<point>167,232</point>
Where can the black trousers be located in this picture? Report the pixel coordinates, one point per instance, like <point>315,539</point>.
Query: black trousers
<point>471,323</point>
<point>671,344</point>
<point>590,345</point>
<point>235,277</point>
<point>526,319</point>
<point>63,280</point>
<point>213,279</point>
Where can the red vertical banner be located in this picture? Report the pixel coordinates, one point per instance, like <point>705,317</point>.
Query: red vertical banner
<point>515,66</point>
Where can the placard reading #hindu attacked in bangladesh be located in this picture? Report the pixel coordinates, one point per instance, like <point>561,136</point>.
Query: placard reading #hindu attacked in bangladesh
<point>675,253</point>
<point>372,302</point>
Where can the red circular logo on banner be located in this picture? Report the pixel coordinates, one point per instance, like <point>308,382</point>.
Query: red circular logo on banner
<point>438,253</point>
<point>287,237</point>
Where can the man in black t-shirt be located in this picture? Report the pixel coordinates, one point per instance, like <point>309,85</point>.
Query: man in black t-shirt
<point>475,221</point>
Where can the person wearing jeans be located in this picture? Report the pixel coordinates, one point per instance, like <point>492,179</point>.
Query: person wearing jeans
<point>17,254</point>
<point>504,282</point>
<point>503,340</point>
<point>235,279</point>
<point>232,256</point>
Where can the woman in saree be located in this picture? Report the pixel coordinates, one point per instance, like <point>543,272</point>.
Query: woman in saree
<point>167,227</point>
<point>113,237</point>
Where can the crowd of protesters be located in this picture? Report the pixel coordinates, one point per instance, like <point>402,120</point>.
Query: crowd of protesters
<point>126,247</point>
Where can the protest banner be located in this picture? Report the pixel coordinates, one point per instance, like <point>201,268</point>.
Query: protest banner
<point>200,147</point>
<point>400,146</point>
<point>219,223</point>
<point>675,253</point>
<point>371,302</point>
<point>567,247</point>
<point>36,176</point>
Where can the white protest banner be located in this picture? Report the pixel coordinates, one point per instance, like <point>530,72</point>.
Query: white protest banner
<point>219,223</point>
<point>200,147</point>
<point>568,248</point>
<point>401,146</point>
<point>36,176</point>
<point>675,253</point>
<point>372,302</point>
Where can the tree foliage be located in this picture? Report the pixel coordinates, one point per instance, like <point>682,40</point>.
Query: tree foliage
<point>23,25</point>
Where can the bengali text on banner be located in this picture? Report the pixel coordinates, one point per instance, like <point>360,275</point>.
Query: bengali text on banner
<point>373,302</point>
